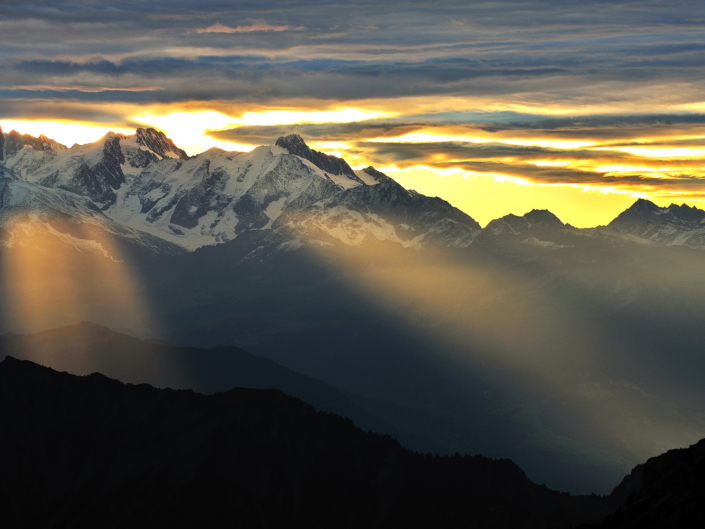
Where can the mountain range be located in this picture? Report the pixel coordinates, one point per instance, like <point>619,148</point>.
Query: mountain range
<point>574,352</point>
<point>145,183</point>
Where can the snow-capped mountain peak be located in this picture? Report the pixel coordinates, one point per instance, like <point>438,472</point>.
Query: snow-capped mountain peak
<point>158,143</point>
<point>144,182</point>
<point>386,211</point>
<point>295,144</point>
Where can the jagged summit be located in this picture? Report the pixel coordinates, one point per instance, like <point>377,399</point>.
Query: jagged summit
<point>687,213</point>
<point>644,212</point>
<point>296,145</point>
<point>376,175</point>
<point>638,213</point>
<point>145,182</point>
<point>159,143</point>
<point>12,142</point>
<point>292,143</point>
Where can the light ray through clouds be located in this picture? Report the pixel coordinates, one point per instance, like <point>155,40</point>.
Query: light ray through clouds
<point>594,95</point>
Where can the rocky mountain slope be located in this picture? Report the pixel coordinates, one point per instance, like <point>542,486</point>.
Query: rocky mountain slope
<point>386,212</point>
<point>27,209</point>
<point>144,182</point>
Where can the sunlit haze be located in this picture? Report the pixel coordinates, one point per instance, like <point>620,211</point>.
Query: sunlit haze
<point>469,236</point>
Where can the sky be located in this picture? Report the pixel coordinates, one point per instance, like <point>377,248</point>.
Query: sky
<point>579,107</point>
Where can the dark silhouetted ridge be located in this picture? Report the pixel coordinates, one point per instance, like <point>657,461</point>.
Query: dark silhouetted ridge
<point>669,491</point>
<point>87,347</point>
<point>645,215</point>
<point>536,225</point>
<point>92,452</point>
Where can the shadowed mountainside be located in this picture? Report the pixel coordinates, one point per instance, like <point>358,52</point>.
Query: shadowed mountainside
<point>92,452</point>
<point>671,492</point>
<point>86,348</point>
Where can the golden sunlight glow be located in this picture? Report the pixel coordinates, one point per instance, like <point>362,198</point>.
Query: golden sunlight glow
<point>56,273</point>
<point>66,133</point>
<point>423,137</point>
<point>553,144</point>
<point>651,156</point>
<point>190,130</point>
<point>477,195</point>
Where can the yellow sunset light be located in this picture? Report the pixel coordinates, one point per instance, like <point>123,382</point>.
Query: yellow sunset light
<point>554,144</point>
<point>190,130</point>
<point>66,133</point>
<point>423,137</point>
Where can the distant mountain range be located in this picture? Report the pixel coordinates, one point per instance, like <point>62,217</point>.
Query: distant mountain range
<point>144,182</point>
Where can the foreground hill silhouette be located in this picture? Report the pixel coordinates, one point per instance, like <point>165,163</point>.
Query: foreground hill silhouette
<point>670,492</point>
<point>93,452</point>
<point>87,348</point>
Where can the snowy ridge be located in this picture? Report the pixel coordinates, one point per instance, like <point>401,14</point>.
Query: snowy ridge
<point>27,206</point>
<point>213,197</point>
<point>143,183</point>
<point>146,183</point>
<point>23,154</point>
<point>387,212</point>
